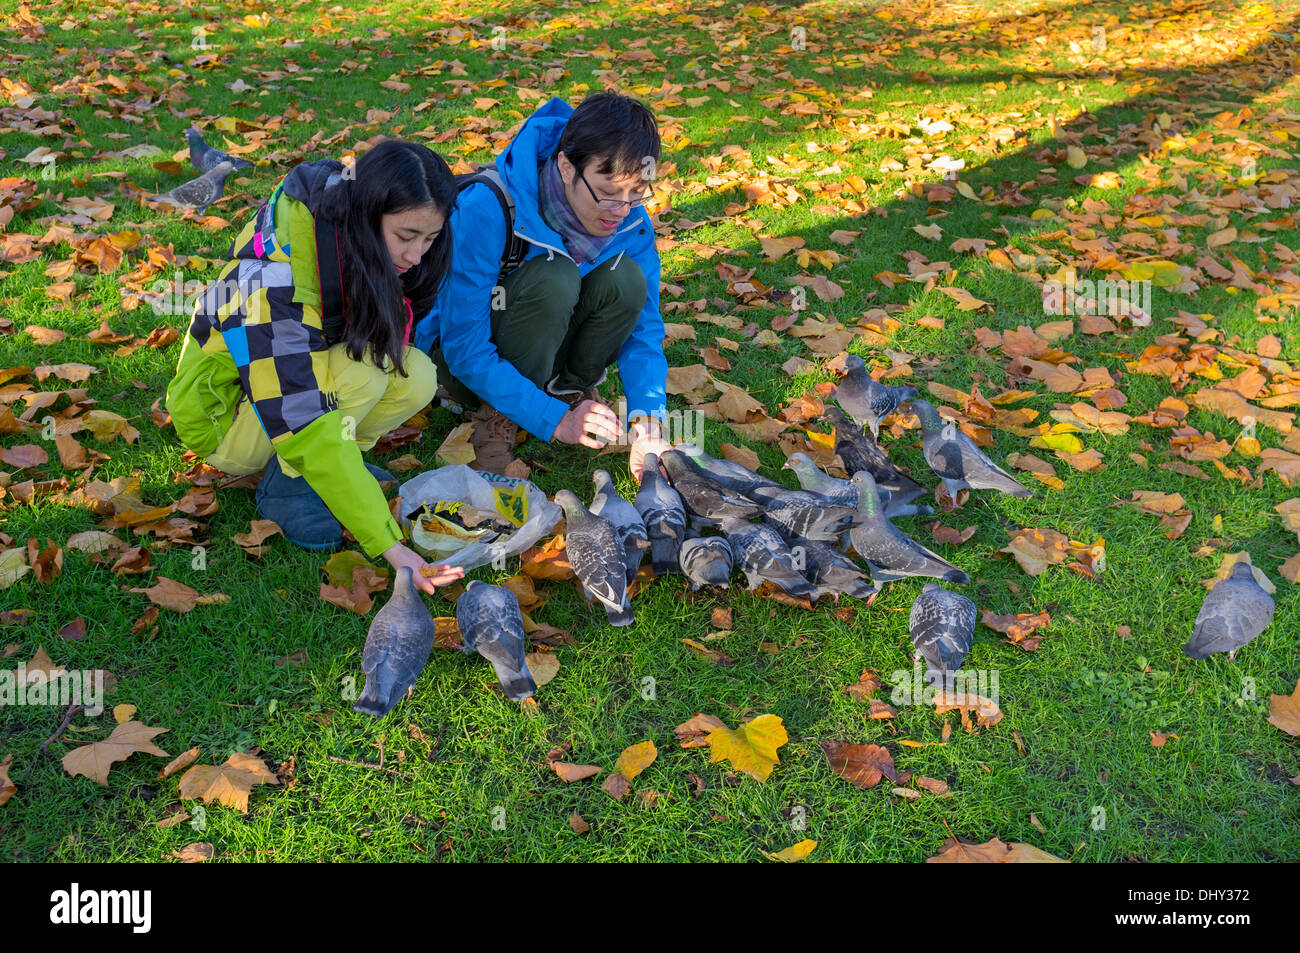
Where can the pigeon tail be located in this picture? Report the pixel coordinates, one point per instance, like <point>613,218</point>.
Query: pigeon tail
<point>663,556</point>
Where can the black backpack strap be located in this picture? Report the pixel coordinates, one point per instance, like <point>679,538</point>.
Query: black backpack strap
<point>329,270</point>
<point>516,248</point>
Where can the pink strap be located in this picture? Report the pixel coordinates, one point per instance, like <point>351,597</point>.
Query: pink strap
<point>410,319</point>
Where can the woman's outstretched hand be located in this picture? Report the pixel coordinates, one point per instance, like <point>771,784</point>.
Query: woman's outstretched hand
<point>399,555</point>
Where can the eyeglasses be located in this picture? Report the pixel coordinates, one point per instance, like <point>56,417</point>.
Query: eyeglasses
<point>613,205</point>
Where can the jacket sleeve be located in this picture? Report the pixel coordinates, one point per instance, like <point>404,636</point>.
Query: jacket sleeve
<point>283,363</point>
<point>641,362</point>
<point>465,328</point>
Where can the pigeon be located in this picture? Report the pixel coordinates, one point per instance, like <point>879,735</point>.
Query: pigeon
<point>491,625</point>
<point>707,561</point>
<point>833,573</point>
<point>733,476</point>
<point>706,499</point>
<point>597,558</point>
<point>1236,610</point>
<point>812,479</point>
<point>856,452</point>
<point>942,625</point>
<point>867,400</point>
<point>956,459</point>
<point>664,515</point>
<point>397,648</point>
<point>889,553</point>
<point>626,521</point>
<point>763,556</point>
<point>802,515</point>
<point>198,194</point>
<point>205,158</point>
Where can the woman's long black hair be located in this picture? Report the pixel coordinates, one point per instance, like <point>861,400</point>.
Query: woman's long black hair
<point>391,177</point>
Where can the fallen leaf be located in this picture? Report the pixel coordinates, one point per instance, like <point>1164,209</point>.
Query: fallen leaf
<point>192,853</point>
<point>635,759</point>
<point>793,853</point>
<point>543,666</point>
<point>861,765</point>
<point>1284,711</point>
<point>170,594</point>
<point>752,747</point>
<point>96,759</point>
<point>229,783</point>
<point>568,773</point>
<point>959,851</point>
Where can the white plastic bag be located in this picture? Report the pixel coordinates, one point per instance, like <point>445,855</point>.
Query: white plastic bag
<point>478,489</point>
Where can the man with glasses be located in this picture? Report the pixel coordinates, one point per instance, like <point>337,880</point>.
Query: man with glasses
<point>532,344</point>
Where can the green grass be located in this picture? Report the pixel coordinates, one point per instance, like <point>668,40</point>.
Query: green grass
<point>1083,706</point>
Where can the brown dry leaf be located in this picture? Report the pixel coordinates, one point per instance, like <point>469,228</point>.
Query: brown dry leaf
<point>96,759</point>
<point>195,853</point>
<point>26,455</point>
<point>959,851</point>
<point>694,732</point>
<point>720,618</point>
<point>635,759</point>
<point>1290,510</point>
<point>1290,569</point>
<point>548,560</point>
<point>1285,465</point>
<point>691,381</point>
<point>569,773</point>
<point>949,535</point>
<point>1284,711</point>
<point>577,824</point>
<point>229,783</point>
<point>179,597</point>
<point>986,710</point>
<point>1019,627</point>
<point>861,765</point>
<point>7,788</point>
<point>183,760</point>
<point>105,425</point>
<point>543,666</point>
<point>868,684</point>
<point>742,455</point>
<point>342,567</point>
<point>1036,549</point>
<point>1152,501</point>
<point>1158,738</point>
<point>964,299</point>
<point>616,786</point>
<point>354,598</point>
<point>933,785</point>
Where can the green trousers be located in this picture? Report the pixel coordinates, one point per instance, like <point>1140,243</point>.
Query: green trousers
<point>557,327</point>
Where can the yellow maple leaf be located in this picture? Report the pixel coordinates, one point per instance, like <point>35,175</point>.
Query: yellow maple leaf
<point>751,747</point>
<point>635,759</point>
<point>793,853</point>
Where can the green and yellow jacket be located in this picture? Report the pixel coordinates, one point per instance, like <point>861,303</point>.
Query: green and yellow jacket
<point>263,330</point>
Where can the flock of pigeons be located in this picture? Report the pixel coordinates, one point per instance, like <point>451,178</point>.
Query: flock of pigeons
<point>796,540</point>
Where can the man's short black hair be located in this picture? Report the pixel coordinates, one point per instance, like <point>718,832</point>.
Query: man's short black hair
<point>617,129</point>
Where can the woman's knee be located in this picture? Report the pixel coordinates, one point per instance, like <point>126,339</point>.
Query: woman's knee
<point>421,381</point>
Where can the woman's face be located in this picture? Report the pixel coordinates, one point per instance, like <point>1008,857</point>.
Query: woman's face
<point>410,233</point>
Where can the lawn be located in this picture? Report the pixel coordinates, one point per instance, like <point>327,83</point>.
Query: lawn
<point>1098,137</point>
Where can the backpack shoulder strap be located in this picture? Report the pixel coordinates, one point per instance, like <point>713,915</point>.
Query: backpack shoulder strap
<point>516,248</point>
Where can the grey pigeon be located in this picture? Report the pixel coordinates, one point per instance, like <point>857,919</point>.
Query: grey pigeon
<point>763,556</point>
<point>859,452</point>
<point>813,479</point>
<point>205,158</point>
<point>597,558</point>
<point>664,515</point>
<point>707,561</point>
<point>622,515</point>
<point>737,478</point>
<point>833,573</point>
<point>397,648</point>
<point>889,553</point>
<point>801,515</point>
<point>706,499</point>
<point>942,625</point>
<point>1235,611</point>
<point>957,460</point>
<point>865,399</point>
<point>491,625</point>
<point>198,194</point>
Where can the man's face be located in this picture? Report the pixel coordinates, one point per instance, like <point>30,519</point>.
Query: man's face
<point>594,219</point>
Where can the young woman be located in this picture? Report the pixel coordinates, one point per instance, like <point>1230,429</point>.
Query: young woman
<point>297,357</point>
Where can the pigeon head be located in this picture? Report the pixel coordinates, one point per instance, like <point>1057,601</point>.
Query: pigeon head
<point>838,420</point>
<point>651,461</point>
<point>469,586</point>
<point>569,501</point>
<point>930,419</point>
<point>601,479</point>
<point>1242,570</point>
<point>868,495</point>
<point>404,585</point>
<point>853,363</point>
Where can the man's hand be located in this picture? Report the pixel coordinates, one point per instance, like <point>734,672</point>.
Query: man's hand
<point>399,555</point>
<point>590,424</point>
<point>647,437</point>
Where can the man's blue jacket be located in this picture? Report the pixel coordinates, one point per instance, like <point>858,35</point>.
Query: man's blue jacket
<point>460,317</point>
